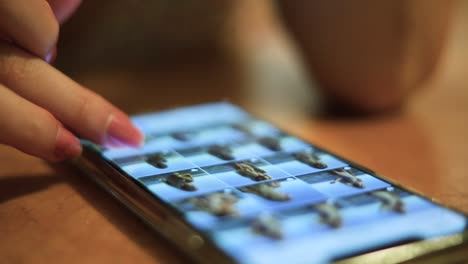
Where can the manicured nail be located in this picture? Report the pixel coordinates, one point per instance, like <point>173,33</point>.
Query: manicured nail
<point>51,55</point>
<point>67,146</point>
<point>121,131</point>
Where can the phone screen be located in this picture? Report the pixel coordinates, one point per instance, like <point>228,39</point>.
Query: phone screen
<point>264,196</point>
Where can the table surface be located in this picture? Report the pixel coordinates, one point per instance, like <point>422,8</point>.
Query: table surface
<point>51,213</point>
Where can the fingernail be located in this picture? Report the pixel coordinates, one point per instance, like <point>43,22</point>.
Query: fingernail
<point>51,55</point>
<point>67,146</point>
<point>121,131</point>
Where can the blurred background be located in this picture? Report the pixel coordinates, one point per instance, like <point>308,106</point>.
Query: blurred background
<point>165,53</point>
<point>147,55</point>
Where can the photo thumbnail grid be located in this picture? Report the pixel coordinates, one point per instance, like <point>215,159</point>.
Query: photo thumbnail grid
<point>242,181</point>
<point>260,169</point>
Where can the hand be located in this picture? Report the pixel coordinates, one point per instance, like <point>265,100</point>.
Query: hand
<point>41,109</point>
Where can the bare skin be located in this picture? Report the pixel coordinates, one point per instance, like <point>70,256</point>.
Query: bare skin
<point>42,111</point>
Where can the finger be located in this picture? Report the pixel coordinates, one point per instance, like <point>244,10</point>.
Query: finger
<point>63,9</point>
<point>33,130</point>
<point>79,109</point>
<point>31,24</point>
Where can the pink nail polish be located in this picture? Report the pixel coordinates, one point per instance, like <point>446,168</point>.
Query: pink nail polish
<point>67,146</point>
<point>121,131</point>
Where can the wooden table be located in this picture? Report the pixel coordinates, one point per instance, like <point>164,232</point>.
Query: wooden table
<point>51,213</point>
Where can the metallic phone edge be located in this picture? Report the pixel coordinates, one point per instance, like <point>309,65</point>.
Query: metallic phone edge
<point>180,234</point>
<point>154,213</point>
<point>170,225</point>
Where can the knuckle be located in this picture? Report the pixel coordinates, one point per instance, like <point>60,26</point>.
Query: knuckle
<point>13,66</point>
<point>46,38</point>
<point>82,116</point>
<point>83,106</point>
<point>39,134</point>
<point>42,126</point>
<point>89,117</point>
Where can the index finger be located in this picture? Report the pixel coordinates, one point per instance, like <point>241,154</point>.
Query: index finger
<point>31,24</point>
<point>79,109</point>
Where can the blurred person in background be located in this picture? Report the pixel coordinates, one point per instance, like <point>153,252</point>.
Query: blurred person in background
<point>366,55</point>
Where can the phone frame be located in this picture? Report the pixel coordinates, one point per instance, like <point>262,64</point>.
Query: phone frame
<point>169,223</point>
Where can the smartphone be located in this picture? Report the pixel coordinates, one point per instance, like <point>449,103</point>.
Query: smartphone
<point>226,187</point>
